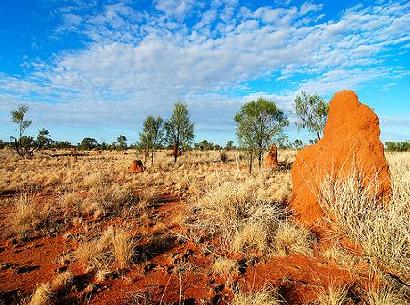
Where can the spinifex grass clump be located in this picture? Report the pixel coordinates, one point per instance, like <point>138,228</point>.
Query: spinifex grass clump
<point>381,228</point>
<point>243,220</point>
<point>113,249</point>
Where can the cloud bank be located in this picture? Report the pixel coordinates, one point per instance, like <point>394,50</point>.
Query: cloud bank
<point>140,61</point>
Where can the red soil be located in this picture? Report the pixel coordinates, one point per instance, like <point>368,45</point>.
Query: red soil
<point>174,268</point>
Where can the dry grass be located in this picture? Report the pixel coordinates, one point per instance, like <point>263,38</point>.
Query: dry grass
<point>233,212</point>
<point>244,212</point>
<point>28,217</point>
<point>62,282</point>
<point>385,296</point>
<point>225,267</point>
<point>264,297</point>
<point>47,293</point>
<point>333,296</point>
<point>291,238</point>
<point>113,249</point>
<point>42,295</point>
<point>382,230</point>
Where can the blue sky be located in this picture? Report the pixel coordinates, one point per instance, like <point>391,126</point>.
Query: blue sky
<point>98,68</point>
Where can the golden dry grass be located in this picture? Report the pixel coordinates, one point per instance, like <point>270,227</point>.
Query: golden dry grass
<point>244,212</point>
<point>383,230</point>
<point>264,297</point>
<point>113,249</point>
<point>28,217</point>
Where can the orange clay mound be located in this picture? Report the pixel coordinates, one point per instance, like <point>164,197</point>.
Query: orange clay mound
<point>271,160</point>
<point>350,143</point>
<point>137,166</point>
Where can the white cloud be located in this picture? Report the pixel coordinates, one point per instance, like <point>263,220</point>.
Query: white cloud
<point>138,62</point>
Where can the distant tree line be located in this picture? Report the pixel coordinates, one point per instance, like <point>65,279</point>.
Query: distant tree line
<point>259,123</point>
<point>398,146</point>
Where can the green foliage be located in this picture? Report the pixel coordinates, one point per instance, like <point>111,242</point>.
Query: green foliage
<point>18,117</point>
<point>122,142</point>
<point>24,146</point>
<point>297,144</point>
<point>43,138</point>
<point>62,144</point>
<point>206,145</point>
<point>88,144</point>
<point>258,124</point>
<point>229,145</point>
<point>311,111</point>
<point>179,130</point>
<point>398,146</point>
<point>152,136</point>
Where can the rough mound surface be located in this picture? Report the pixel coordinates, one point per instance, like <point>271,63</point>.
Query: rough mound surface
<point>350,143</point>
<point>137,166</point>
<point>271,159</point>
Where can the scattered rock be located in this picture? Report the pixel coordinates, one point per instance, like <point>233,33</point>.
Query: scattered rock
<point>271,159</point>
<point>350,143</point>
<point>137,166</point>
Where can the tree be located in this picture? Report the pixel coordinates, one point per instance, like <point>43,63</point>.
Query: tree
<point>122,142</point>
<point>152,136</point>
<point>258,123</point>
<point>22,144</point>
<point>311,111</point>
<point>88,143</point>
<point>43,138</point>
<point>398,146</point>
<point>205,145</point>
<point>229,145</point>
<point>297,144</point>
<point>179,129</point>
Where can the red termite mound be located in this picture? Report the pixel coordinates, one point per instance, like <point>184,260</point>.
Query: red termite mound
<point>137,166</point>
<point>271,159</point>
<point>351,142</point>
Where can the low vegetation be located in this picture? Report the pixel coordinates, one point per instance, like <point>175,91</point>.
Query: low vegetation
<point>199,219</point>
<point>381,228</point>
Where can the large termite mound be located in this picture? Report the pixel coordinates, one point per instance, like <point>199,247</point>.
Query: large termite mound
<point>350,144</point>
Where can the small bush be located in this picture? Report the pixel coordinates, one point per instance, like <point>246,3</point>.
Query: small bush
<point>382,230</point>
<point>292,238</point>
<point>223,157</point>
<point>233,212</point>
<point>42,295</point>
<point>225,266</point>
<point>256,298</point>
<point>28,217</point>
<point>333,296</point>
<point>114,248</point>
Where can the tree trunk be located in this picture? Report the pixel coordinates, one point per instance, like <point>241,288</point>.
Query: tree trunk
<point>176,150</point>
<point>250,163</point>
<point>260,158</point>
